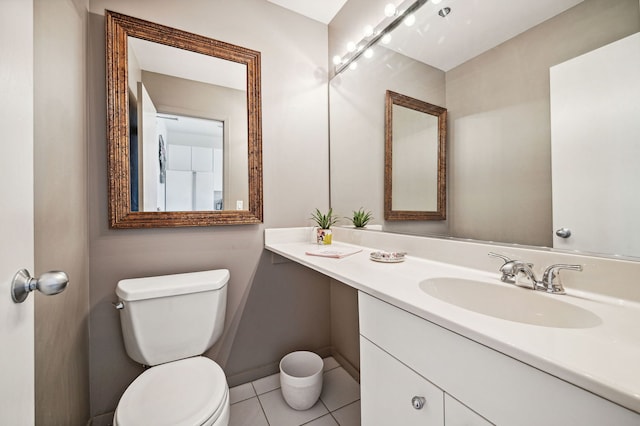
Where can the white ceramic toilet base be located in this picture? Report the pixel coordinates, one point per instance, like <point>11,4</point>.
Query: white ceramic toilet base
<point>188,392</point>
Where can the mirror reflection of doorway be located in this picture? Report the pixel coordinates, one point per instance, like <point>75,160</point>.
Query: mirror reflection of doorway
<point>594,149</point>
<point>190,159</point>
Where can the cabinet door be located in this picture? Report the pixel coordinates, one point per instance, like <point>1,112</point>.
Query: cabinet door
<point>458,414</point>
<point>387,388</point>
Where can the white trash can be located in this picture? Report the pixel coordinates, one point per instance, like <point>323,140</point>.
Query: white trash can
<point>301,379</point>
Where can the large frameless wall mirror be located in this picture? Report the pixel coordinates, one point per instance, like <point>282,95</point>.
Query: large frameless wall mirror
<point>184,128</point>
<point>504,70</point>
<point>415,159</point>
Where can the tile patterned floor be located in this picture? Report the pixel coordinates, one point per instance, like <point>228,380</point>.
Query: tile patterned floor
<point>260,403</point>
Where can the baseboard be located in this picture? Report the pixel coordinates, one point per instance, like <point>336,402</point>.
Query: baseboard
<point>344,363</point>
<point>101,420</point>
<point>253,374</point>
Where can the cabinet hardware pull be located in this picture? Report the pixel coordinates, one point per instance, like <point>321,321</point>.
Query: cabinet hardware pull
<point>418,402</point>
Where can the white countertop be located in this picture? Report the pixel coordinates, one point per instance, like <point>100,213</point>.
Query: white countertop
<point>604,359</point>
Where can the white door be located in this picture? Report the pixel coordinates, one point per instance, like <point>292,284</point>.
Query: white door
<point>595,145</point>
<point>16,211</point>
<point>148,161</point>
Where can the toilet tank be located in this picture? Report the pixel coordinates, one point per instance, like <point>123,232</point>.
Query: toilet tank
<point>170,317</point>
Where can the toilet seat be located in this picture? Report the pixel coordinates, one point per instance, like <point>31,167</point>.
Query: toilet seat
<point>189,392</point>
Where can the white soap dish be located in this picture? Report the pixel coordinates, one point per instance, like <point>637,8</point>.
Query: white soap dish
<point>388,256</point>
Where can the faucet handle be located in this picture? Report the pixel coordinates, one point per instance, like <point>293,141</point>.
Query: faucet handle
<point>501,256</point>
<point>551,277</point>
<point>507,269</point>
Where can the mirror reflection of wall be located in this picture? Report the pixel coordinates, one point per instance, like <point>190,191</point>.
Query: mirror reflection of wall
<point>178,120</point>
<point>499,186</point>
<point>357,114</point>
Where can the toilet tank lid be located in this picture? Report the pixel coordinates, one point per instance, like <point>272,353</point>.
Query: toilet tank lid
<point>171,285</point>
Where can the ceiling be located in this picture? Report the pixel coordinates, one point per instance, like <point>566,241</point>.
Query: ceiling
<point>320,10</point>
<point>472,27</point>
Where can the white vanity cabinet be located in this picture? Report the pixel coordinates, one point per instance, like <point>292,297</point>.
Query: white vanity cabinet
<point>462,381</point>
<point>393,394</point>
<point>458,414</point>
<point>388,390</point>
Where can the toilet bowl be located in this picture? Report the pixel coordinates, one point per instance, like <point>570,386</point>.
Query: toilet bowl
<point>189,392</point>
<point>167,323</point>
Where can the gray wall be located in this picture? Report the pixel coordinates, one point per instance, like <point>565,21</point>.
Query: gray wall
<point>61,235</point>
<point>272,308</point>
<point>345,332</point>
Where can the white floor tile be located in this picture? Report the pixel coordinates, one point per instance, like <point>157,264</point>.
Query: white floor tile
<point>339,389</point>
<point>330,363</point>
<point>323,421</point>
<point>349,415</point>
<point>267,384</point>
<point>241,392</point>
<point>247,413</point>
<point>280,414</point>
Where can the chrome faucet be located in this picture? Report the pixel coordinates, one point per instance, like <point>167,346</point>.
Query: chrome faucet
<point>550,282</point>
<point>551,277</point>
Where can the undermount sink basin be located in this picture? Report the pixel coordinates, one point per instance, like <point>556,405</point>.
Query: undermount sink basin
<point>510,302</point>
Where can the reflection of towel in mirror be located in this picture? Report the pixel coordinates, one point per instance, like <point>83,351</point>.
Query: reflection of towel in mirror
<point>162,158</point>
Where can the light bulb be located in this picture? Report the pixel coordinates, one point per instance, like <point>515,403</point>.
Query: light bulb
<point>386,39</point>
<point>410,20</point>
<point>368,53</point>
<point>367,31</point>
<point>351,46</point>
<point>353,65</point>
<point>337,60</point>
<point>389,10</point>
<point>436,1</point>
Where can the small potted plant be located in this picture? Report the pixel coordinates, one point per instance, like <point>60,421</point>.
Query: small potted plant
<point>324,223</point>
<point>360,218</point>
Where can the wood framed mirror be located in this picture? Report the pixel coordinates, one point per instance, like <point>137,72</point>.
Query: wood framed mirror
<point>164,176</point>
<point>415,159</point>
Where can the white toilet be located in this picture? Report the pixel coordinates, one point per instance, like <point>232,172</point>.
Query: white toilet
<point>167,323</point>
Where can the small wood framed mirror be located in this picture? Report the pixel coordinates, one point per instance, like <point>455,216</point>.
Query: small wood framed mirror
<point>183,128</point>
<point>415,159</point>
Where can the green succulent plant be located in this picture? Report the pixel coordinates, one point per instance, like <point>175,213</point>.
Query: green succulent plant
<point>324,221</point>
<point>361,218</point>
